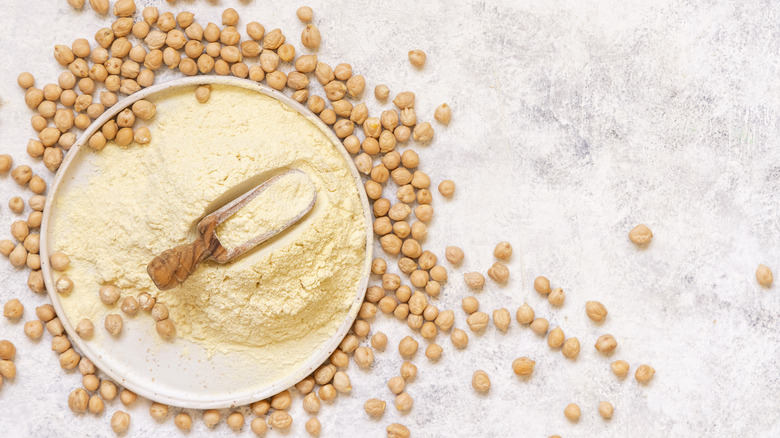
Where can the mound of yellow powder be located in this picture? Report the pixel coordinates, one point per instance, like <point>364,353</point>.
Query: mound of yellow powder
<point>143,199</point>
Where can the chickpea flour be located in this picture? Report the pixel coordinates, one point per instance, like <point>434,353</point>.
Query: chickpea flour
<point>279,301</point>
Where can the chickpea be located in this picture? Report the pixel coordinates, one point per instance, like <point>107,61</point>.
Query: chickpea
<point>417,303</point>
<point>502,319</point>
<point>108,390</point>
<point>542,285</point>
<point>606,344</point>
<point>280,420</point>
<point>470,304</point>
<point>433,352</point>
<point>540,326</point>
<point>165,328</point>
<point>525,314</point>
<point>480,381</point>
<point>555,337</point>
<point>22,174</point>
<point>86,367</point>
<point>54,327</point>
<point>127,397</point>
<point>571,348</point>
<point>474,280</point>
<point>327,392</point>
<point>310,37</point>
<point>260,407</point>
<point>595,311</point>
<point>415,322</point>
<point>644,373</point>
<point>311,403</point>
<point>158,411</point>
<point>396,430</point>
<point>16,204</point>
<point>387,304</point>
<point>620,368</point>
<point>96,405</point>
<point>33,329</point>
<point>69,359</point>
<point>160,312</point>
<point>60,344</point>
<point>146,301</point>
<point>379,341</point>
<point>13,309</point>
<point>120,422</point>
<point>45,313</point>
<point>401,311</point>
<point>764,276</point>
<point>109,294</point>
<point>78,400</point>
<point>556,297</point>
<point>417,58</point>
<point>129,305</point>
<point>459,338</point>
<point>499,272</point>
<point>606,409</point>
<point>324,374</point>
<point>34,220</point>
<point>349,344</point>
<point>523,366</point>
<point>183,421</point>
<point>113,324</point>
<point>572,412</point>
<point>640,235</point>
<point>374,294</point>
<point>18,257</point>
<point>364,357</point>
<point>419,231</point>
<point>59,261</point>
<point>407,347</point>
<point>477,321</point>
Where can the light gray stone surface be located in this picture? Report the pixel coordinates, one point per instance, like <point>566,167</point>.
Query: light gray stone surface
<point>572,123</point>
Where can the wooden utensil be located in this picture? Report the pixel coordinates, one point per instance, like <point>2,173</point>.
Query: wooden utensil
<point>173,266</point>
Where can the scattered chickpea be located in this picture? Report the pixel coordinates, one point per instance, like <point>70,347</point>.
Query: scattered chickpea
<point>109,294</point>
<point>279,420</point>
<point>310,37</point>
<point>258,425</point>
<point>595,311</point>
<point>33,329</point>
<point>16,204</point>
<point>396,430</point>
<point>620,368</point>
<point>443,114</point>
<point>374,407</point>
<point>447,188</point>
<point>555,337</point>
<point>13,309</point>
<point>572,412</point>
<point>571,348</point>
<point>764,276</point>
<point>379,341</point>
<point>606,344</point>
<point>364,357</point>
<point>381,92</point>
<point>640,235</point>
<point>261,407</point>
<point>403,402</point>
<point>556,297</point>
<point>96,405</point>
<point>477,321</point>
<point>108,390</point>
<point>158,411</point>
<point>407,347</point>
<point>499,272</point>
<point>540,326</point>
<point>459,338</point>
<point>524,314</point>
<point>22,174</point>
<point>127,397</point>
<point>474,280</point>
<point>644,373</point>
<point>120,421</point>
<point>480,381</point>
<point>18,257</point>
<point>54,327</point>
<point>542,285</point>
<point>165,328</point>
<point>78,400</point>
<point>502,319</point>
<point>45,312</point>
<point>408,371</point>
<point>470,304</point>
<point>327,392</point>
<point>7,369</point>
<point>211,418</point>
<point>183,421</point>
<point>606,409</point>
<point>523,366</point>
<point>417,58</point>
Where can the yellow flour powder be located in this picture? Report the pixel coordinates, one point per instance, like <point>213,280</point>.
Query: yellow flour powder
<point>279,301</point>
<point>270,210</point>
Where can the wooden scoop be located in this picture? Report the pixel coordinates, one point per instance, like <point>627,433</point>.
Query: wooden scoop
<point>173,266</point>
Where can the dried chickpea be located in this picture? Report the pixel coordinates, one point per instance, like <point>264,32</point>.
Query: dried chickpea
<point>606,343</point>
<point>407,347</point>
<point>644,373</point>
<point>22,174</point>
<point>113,324</point>
<point>211,418</point>
<point>523,366</point>
<point>459,338</point>
<point>54,326</point>
<point>470,304</point>
<point>443,114</point>
<point>433,352</point>
<point>364,357</point>
<point>620,368</point>
<point>542,285</point>
<point>7,247</point>
<point>474,280</point>
<point>480,381</point>
<point>16,204</point>
<point>33,329</point>
<point>327,392</point>
<point>571,348</point>
<point>127,397</point>
<point>640,235</point>
<point>403,402</point>
<point>310,37</point>
<point>499,272</point>
<point>477,321</point>
<point>764,275</point>
<point>387,304</point>
<point>78,400</point>
<point>502,319</point>
<point>183,421</point>
<point>606,410</point>
<point>555,337</point>
<point>69,359</point>
<point>556,297</point>
<point>18,257</point>
<point>417,58</point>
<point>108,390</point>
<point>158,411</point>
<point>381,92</point>
<point>572,412</point>
<point>13,309</point>
<point>540,326</point>
<point>429,330</point>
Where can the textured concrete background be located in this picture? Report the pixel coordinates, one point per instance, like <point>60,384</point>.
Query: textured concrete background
<point>572,123</point>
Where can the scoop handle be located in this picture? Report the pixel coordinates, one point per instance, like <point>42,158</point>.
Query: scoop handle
<point>173,266</point>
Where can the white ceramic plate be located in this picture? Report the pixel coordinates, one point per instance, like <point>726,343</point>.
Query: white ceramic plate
<point>180,373</point>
